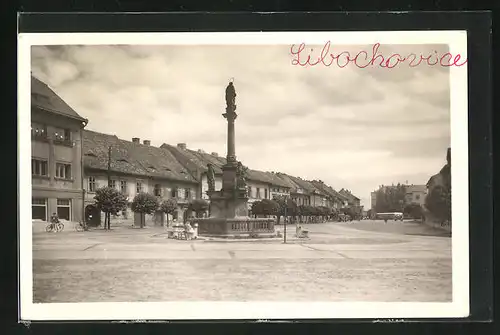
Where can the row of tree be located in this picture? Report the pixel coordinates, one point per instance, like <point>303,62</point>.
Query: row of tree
<point>281,206</point>
<point>111,202</point>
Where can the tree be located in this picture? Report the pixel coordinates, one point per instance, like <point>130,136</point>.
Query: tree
<point>390,198</point>
<point>265,207</point>
<point>144,203</point>
<point>256,208</point>
<point>109,201</point>
<point>168,206</point>
<point>198,206</point>
<point>414,211</point>
<point>286,207</point>
<point>438,202</point>
<point>269,207</point>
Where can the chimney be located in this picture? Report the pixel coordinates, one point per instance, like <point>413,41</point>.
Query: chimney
<point>181,146</point>
<point>215,154</point>
<point>147,142</point>
<point>201,151</point>
<point>136,140</point>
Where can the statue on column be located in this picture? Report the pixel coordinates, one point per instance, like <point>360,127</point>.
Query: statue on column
<point>211,177</point>
<point>241,173</point>
<point>230,95</point>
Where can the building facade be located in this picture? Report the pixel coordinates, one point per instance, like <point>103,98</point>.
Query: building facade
<point>415,194</point>
<point>56,156</point>
<point>134,168</point>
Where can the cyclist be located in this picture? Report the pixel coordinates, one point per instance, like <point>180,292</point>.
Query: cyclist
<point>54,220</point>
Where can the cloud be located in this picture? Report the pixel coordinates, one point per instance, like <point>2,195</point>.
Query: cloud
<point>350,127</point>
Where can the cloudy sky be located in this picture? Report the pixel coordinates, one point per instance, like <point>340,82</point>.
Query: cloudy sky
<point>350,127</point>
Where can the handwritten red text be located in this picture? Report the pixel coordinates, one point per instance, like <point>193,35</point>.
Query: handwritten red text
<point>372,58</point>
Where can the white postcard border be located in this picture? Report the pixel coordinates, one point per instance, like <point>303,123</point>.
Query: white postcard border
<point>459,307</point>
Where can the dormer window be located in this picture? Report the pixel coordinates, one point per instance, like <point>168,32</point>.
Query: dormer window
<point>122,160</point>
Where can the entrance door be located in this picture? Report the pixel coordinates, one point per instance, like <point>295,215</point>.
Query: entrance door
<point>92,216</point>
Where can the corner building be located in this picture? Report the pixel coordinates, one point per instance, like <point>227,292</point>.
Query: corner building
<point>56,156</point>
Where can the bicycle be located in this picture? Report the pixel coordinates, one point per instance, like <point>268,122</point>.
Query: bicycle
<point>81,227</point>
<point>54,227</point>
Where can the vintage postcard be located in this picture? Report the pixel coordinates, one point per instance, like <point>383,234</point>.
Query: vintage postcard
<point>247,175</point>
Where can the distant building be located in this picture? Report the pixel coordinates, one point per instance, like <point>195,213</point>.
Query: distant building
<point>373,196</point>
<point>415,194</point>
<point>56,155</point>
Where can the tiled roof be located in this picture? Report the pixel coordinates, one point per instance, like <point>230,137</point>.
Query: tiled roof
<point>196,159</point>
<point>303,184</point>
<point>158,162</point>
<point>43,97</point>
<point>348,194</point>
<point>202,159</point>
<point>131,158</point>
<point>288,181</point>
<point>327,190</point>
<point>276,180</point>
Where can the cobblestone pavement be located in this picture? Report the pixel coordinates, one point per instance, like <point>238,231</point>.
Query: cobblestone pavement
<point>339,262</point>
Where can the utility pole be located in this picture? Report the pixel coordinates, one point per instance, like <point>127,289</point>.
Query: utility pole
<point>109,166</point>
<point>284,221</point>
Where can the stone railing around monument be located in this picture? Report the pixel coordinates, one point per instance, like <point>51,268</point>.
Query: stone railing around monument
<point>236,227</point>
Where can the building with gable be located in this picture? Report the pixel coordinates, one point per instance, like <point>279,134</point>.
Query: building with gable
<point>135,167</point>
<point>56,156</point>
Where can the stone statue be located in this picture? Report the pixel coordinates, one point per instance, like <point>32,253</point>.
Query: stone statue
<point>211,177</point>
<point>230,95</point>
<point>241,172</point>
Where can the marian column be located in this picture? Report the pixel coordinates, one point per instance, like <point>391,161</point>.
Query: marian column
<point>230,116</point>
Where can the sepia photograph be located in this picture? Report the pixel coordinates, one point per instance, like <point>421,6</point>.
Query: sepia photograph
<point>243,175</point>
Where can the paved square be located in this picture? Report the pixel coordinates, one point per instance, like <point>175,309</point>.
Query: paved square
<point>366,261</point>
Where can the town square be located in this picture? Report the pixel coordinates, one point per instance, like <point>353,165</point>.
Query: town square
<point>146,188</point>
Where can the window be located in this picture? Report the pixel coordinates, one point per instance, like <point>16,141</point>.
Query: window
<point>61,134</point>
<point>38,130</point>
<point>123,186</point>
<point>249,191</point>
<point>91,184</point>
<point>64,209</point>
<point>265,193</point>
<point>39,167</point>
<point>63,171</point>
<point>157,190</point>
<point>174,192</point>
<point>138,187</point>
<point>187,193</point>
<point>258,193</point>
<point>112,183</point>
<point>39,209</point>
<point>417,197</point>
